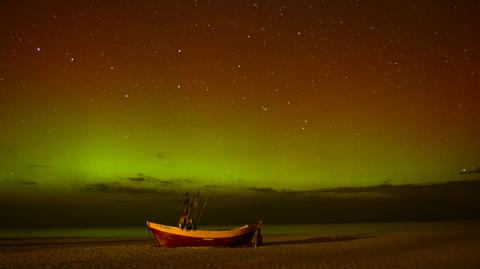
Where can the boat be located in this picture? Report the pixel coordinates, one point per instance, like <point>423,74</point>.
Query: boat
<point>170,236</point>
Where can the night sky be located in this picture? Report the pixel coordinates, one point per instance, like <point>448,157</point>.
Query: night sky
<point>114,104</point>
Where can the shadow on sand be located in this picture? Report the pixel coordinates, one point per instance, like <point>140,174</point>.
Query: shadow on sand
<point>323,239</point>
<point>6,243</point>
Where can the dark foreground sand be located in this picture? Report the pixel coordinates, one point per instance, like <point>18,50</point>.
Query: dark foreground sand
<point>439,249</point>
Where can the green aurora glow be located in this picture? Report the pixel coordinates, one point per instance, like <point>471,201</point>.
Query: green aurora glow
<point>101,92</point>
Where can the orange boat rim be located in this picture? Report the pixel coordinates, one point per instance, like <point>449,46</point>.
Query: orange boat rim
<point>170,236</point>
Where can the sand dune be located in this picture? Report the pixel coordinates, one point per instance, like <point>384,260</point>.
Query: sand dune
<point>439,249</point>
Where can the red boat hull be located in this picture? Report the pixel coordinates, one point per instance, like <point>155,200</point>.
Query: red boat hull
<point>167,236</point>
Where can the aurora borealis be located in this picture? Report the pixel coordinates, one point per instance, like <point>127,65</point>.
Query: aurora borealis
<point>152,97</point>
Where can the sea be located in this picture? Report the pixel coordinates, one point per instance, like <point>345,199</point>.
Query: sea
<point>307,230</point>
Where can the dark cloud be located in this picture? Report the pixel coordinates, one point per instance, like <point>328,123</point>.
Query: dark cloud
<point>160,155</point>
<point>165,181</point>
<point>388,181</point>
<point>138,179</point>
<point>145,178</point>
<point>22,182</point>
<point>265,190</point>
<point>211,186</point>
<point>384,188</point>
<point>117,188</point>
<point>401,190</point>
<point>273,191</point>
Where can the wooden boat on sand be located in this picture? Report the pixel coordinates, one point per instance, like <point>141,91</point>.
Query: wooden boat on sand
<point>169,236</point>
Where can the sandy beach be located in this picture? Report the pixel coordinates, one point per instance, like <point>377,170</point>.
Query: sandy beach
<point>436,249</point>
